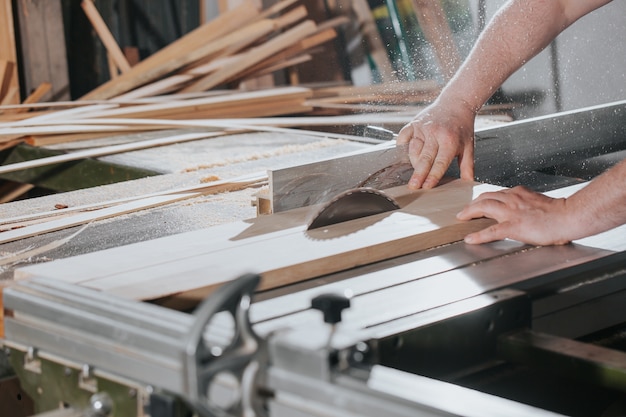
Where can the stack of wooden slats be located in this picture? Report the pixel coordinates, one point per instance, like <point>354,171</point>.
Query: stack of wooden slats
<point>240,43</point>
<point>173,83</point>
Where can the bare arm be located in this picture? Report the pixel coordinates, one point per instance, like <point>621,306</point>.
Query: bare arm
<point>536,219</point>
<point>445,130</point>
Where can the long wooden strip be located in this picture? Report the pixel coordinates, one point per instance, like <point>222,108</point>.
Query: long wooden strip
<point>177,54</point>
<point>105,35</point>
<point>305,44</point>
<point>6,135</point>
<point>240,38</point>
<point>254,56</point>
<point>249,123</point>
<point>265,124</point>
<point>170,109</point>
<point>201,260</point>
<point>47,140</point>
<point>105,150</point>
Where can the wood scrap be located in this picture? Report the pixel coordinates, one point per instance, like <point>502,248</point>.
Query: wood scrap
<point>113,49</point>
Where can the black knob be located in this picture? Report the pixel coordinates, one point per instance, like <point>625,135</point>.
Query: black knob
<point>331,305</point>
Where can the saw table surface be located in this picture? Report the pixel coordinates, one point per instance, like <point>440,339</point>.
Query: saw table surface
<point>181,165</point>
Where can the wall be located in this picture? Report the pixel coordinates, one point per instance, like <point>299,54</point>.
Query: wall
<point>591,61</point>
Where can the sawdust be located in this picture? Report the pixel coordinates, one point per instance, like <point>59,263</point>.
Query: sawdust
<point>283,150</point>
<point>210,178</point>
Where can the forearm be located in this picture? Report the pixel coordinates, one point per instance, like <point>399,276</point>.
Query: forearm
<point>518,32</point>
<point>600,206</point>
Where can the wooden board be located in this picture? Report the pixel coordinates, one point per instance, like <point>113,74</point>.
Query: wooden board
<point>191,265</point>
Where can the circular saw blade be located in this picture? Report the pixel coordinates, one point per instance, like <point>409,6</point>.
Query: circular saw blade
<point>353,204</point>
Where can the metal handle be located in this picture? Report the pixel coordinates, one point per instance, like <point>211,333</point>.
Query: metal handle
<point>240,359</point>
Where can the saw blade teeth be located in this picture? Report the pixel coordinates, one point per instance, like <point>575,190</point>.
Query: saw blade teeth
<point>353,204</point>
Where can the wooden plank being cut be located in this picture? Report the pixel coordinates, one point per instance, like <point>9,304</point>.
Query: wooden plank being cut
<point>191,265</point>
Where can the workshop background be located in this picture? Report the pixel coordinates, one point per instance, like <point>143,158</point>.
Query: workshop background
<point>56,43</point>
<point>123,148</point>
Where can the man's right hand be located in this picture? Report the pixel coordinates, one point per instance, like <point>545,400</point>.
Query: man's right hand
<point>435,137</point>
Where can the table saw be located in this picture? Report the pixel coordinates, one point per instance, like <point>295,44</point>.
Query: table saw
<point>450,329</point>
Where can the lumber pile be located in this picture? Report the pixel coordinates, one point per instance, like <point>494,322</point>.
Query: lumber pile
<point>241,43</point>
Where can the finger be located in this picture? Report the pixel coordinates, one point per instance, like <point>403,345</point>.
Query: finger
<point>422,162</point>
<point>490,208</point>
<point>490,234</point>
<point>439,167</point>
<point>415,149</point>
<point>405,135</point>
<point>466,161</point>
<point>502,196</point>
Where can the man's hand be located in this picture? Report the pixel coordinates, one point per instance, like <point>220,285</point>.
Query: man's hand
<point>435,137</point>
<point>522,215</point>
